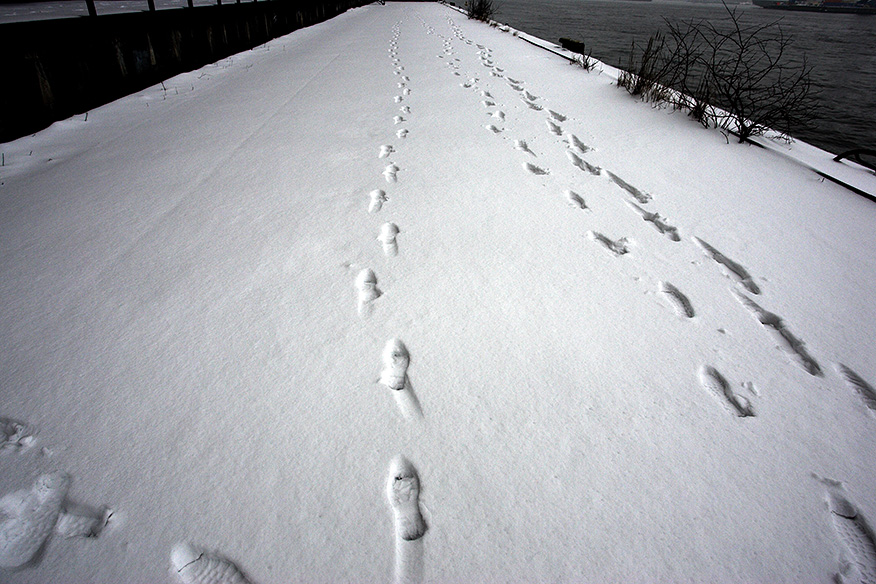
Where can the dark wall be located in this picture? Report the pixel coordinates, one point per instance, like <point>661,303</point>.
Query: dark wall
<point>52,69</point>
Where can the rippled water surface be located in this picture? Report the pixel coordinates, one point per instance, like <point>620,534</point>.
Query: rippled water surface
<point>840,47</point>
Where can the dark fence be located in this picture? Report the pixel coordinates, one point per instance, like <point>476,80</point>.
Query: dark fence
<point>52,69</point>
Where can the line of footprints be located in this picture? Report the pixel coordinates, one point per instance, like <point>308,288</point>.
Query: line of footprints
<point>403,484</point>
<point>576,152</point>
<point>856,536</point>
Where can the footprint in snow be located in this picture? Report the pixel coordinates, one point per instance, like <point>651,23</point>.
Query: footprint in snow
<point>533,106</point>
<point>395,365</point>
<point>406,91</point>
<point>15,436</point>
<point>529,96</point>
<point>499,115</point>
<point>515,81</point>
<point>575,200</point>
<point>523,146</point>
<point>554,128</point>
<point>790,343</point>
<point>405,109</point>
<point>557,116</point>
<point>657,221</point>
<point>398,119</point>
<point>858,557</point>
<point>402,133</point>
<point>537,170</point>
<point>581,146</point>
<point>680,302</point>
<point>493,128</point>
<point>515,87</point>
<point>486,94</point>
<point>618,247</point>
<point>488,103</point>
<point>390,173</point>
<point>403,491</point>
<point>194,566</point>
<point>30,516</point>
<point>864,390</point>
<point>640,196</point>
<point>388,233</point>
<point>385,151</point>
<point>366,286</point>
<point>712,380</point>
<point>582,164</point>
<point>398,99</point>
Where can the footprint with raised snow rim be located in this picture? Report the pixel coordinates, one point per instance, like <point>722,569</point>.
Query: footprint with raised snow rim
<point>536,170</point>
<point>617,247</point>
<point>712,380</point>
<point>680,302</point>
<point>398,119</point>
<point>398,99</point>
<point>523,146</point>
<point>861,387</point>
<point>488,103</point>
<point>486,94</point>
<point>406,91</point>
<point>499,115</point>
<point>736,270</point>
<point>557,116</point>
<point>528,96</point>
<point>385,151</point>
<point>790,343</point>
<point>405,109</point>
<point>195,566</point>
<point>657,221</point>
<point>368,292</point>
<point>396,360</point>
<point>402,133</point>
<point>376,199</point>
<point>582,164</point>
<point>554,128</point>
<point>575,200</point>
<point>533,106</point>
<point>403,491</point>
<point>641,196</point>
<point>390,173</point>
<point>15,436</point>
<point>515,87</point>
<point>29,517</point>
<point>387,237</point>
<point>574,142</point>
<point>855,535</point>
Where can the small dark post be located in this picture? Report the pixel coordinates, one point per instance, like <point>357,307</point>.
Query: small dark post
<point>191,4</point>
<point>92,11</point>
<point>151,5</point>
<point>218,2</point>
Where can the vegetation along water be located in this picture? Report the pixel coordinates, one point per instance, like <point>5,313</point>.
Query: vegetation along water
<point>841,48</point>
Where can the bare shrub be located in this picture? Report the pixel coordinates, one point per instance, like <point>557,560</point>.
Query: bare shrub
<point>480,9</point>
<point>742,78</point>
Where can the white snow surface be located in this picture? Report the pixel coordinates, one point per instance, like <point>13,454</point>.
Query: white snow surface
<point>182,329</point>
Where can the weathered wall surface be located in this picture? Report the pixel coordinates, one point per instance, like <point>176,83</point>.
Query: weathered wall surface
<point>53,69</point>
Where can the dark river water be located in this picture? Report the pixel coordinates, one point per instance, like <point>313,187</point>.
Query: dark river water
<point>840,47</point>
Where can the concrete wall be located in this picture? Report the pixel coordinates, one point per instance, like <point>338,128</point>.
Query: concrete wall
<point>52,69</point>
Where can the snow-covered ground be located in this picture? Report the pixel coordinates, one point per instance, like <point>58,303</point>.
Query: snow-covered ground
<point>603,345</point>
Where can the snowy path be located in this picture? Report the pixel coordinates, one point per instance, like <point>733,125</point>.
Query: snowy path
<point>400,296</point>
